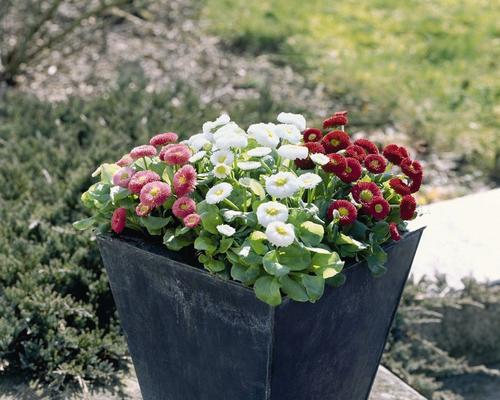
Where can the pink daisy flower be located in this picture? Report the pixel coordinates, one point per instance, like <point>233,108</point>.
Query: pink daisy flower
<point>119,220</point>
<point>122,176</point>
<point>185,180</point>
<point>177,154</point>
<point>154,194</point>
<point>191,220</point>
<point>145,150</point>
<point>140,179</point>
<point>163,139</point>
<point>142,210</point>
<point>183,206</point>
<point>125,161</point>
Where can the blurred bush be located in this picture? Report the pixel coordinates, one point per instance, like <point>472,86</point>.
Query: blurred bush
<point>30,29</point>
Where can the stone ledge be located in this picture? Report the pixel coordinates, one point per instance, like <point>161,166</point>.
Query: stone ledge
<point>387,386</point>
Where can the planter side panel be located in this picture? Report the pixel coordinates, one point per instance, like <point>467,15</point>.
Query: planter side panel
<point>334,352</point>
<point>191,336</point>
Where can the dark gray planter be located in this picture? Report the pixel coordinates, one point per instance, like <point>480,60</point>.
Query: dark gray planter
<point>193,336</point>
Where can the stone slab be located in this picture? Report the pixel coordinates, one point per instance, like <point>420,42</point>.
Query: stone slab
<point>461,239</point>
<point>387,386</point>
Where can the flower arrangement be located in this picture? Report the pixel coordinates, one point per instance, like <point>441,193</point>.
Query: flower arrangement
<point>280,207</point>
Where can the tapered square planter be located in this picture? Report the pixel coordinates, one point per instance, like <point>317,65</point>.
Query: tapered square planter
<point>193,336</point>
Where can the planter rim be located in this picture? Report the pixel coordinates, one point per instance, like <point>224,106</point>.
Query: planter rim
<point>162,251</point>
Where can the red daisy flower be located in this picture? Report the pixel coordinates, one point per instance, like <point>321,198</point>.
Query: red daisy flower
<point>307,163</point>
<point>336,165</point>
<point>183,206</point>
<point>407,207</point>
<point>356,152</point>
<point>119,220</point>
<point>411,168</point>
<point>335,141</point>
<point>125,161</point>
<point>395,154</point>
<point>347,211</point>
<point>175,154</point>
<point>164,138</point>
<point>399,186</point>
<point>140,178</point>
<point>375,163</point>
<point>185,180</point>
<point>337,119</point>
<point>154,194</point>
<point>312,135</point>
<point>145,150</point>
<point>379,208</point>
<point>122,176</point>
<point>364,192</point>
<point>352,171</point>
<point>393,230</point>
<point>367,145</point>
<point>416,182</point>
<point>191,220</point>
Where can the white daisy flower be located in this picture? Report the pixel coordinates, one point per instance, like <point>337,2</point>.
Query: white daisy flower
<point>294,119</point>
<point>264,134</point>
<point>310,180</point>
<point>259,151</point>
<point>270,212</point>
<point>222,157</point>
<point>230,136</point>
<point>218,193</point>
<point>226,230</point>
<point>197,142</point>
<point>209,126</point>
<point>289,132</point>
<point>197,156</point>
<point>282,184</point>
<point>293,152</point>
<point>248,165</point>
<point>221,171</point>
<point>320,159</point>
<point>280,234</point>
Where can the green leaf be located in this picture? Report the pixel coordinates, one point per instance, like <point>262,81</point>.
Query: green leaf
<point>206,243</point>
<point>267,289</point>
<point>327,265</point>
<point>272,265</point>
<point>256,240</point>
<point>315,286</point>
<point>380,231</point>
<point>214,265</point>
<point>337,280</point>
<point>210,220</point>
<point>85,223</point>
<point>376,260</point>
<point>254,186</point>
<point>293,289</point>
<point>107,172</point>
<point>155,223</point>
<point>118,193</point>
<point>174,242</point>
<point>245,274</point>
<point>310,233</point>
<point>295,257</point>
<point>225,244</point>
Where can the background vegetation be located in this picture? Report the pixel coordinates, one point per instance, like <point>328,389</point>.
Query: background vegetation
<point>430,67</point>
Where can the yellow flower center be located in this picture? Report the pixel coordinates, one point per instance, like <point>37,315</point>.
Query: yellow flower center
<point>282,230</point>
<point>184,206</point>
<point>221,158</point>
<point>272,211</point>
<point>270,133</point>
<point>334,142</point>
<point>374,164</point>
<point>124,175</point>
<point>366,196</point>
<point>281,181</point>
<point>378,208</point>
<point>312,137</point>
<point>154,191</point>
<point>343,211</point>
<point>219,192</point>
<point>182,180</point>
<point>348,170</point>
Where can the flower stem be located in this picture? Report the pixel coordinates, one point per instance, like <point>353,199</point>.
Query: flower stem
<point>230,204</point>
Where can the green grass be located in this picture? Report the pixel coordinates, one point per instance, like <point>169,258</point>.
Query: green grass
<point>429,67</point>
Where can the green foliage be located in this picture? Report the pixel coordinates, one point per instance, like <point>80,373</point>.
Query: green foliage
<point>427,67</point>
